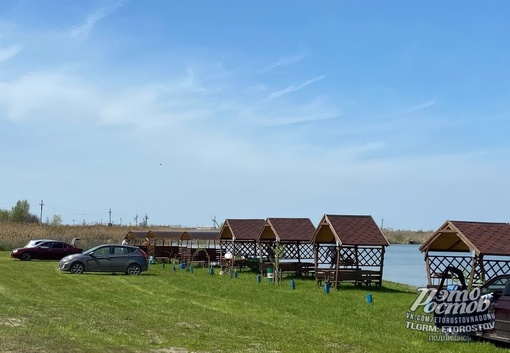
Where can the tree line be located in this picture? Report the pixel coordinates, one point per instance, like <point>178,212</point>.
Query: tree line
<point>20,213</point>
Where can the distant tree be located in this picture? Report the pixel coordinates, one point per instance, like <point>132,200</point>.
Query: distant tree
<point>4,215</point>
<point>21,213</point>
<point>57,220</point>
<point>32,218</point>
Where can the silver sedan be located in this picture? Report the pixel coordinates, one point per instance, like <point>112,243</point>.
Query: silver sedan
<point>107,258</point>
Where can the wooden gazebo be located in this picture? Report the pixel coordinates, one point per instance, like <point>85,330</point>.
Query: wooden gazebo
<point>481,250</point>
<point>136,237</point>
<point>238,238</point>
<point>294,234</point>
<point>200,247</point>
<point>349,248</point>
<point>157,243</point>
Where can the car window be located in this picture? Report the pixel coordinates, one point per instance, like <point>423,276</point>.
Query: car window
<point>497,286</point>
<point>45,244</point>
<point>58,245</point>
<point>102,251</point>
<point>120,250</point>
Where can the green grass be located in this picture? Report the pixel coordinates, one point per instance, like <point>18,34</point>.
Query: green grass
<point>166,311</point>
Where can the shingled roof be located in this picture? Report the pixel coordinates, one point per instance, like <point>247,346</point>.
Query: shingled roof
<point>484,238</point>
<point>201,235</point>
<point>173,234</point>
<point>166,234</point>
<point>137,234</point>
<point>349,230</point>
<point>241,229</point>
<point>287,229</point>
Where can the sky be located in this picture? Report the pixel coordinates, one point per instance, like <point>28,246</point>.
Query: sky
<point>189,111</point>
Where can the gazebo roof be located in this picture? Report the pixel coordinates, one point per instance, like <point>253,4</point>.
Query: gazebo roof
<point>349,230</point>
<point>287,230</point>
<point>172,234</point>
<point>483,238</point>
<point>241,229</point>
<point>166,234</point>
<point>137,234</point>
<point>200,235</point>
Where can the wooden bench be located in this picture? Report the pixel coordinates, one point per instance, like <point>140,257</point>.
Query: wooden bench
<point>297,268</point>
<point>369,277</point>
<point>201,256</point>
<point>356,276</point>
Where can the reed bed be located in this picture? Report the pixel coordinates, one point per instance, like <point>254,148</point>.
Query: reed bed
<point>14,235</point>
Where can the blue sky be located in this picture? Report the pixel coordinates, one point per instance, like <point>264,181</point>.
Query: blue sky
<point>186,110</point>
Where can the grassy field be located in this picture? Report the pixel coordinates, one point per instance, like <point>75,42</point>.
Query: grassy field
<point>167,311</point>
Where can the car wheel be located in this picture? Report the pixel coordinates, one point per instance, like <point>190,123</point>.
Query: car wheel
<point>77,268</point>
<point>133,269</point>
<point>26,256</point>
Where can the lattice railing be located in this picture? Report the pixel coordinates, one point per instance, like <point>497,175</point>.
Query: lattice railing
<point>494,268</point>
<point>350,256</point>
<point>370,256</point>
<point>226,246</point>
<point>325,254</point>
<point>245,248</point>
<point>293,251</point>
<point>438,264</point>
<point>306,251</point>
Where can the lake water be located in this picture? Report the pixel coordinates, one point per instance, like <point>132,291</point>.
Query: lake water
<point>405,264</point>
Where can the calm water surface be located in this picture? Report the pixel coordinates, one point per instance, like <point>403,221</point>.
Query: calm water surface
<point>405,264</point>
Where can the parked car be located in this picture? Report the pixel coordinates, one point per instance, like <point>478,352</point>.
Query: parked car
<point>107,258</point>
<point>495,292</point>
<point>45,249</point>
<point>35,242</point>
<point>498,288</point>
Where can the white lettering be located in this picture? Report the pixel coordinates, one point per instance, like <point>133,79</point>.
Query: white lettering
<point>424,297</point>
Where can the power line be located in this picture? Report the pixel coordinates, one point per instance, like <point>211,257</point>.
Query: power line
<point>77,213</point>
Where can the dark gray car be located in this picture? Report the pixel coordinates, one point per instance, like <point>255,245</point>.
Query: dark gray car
<point>107,258</point>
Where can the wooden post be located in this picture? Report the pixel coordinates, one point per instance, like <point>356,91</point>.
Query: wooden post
<point>473,269</point>
<point>383,250</point>
<point>427,268</point>
<point>337,268</point>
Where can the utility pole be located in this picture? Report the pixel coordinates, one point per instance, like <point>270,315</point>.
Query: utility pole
<point>136,220</point>
<point>146,218</point>
<point>110,219</point>
<point>41,204</point>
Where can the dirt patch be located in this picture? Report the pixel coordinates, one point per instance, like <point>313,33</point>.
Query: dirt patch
<point>12,321</point>
<point>175,350</point>
<point>187,325</point>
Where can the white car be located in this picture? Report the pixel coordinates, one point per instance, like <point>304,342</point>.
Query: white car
<point>34,243</point>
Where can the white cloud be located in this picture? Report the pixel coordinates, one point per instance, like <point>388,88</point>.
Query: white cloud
<point>84,30</point>
<point>9,52</point>
<point>419,107</point>
<point>294,88</point>
<point>284,61</point>
<point>52,96</point>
